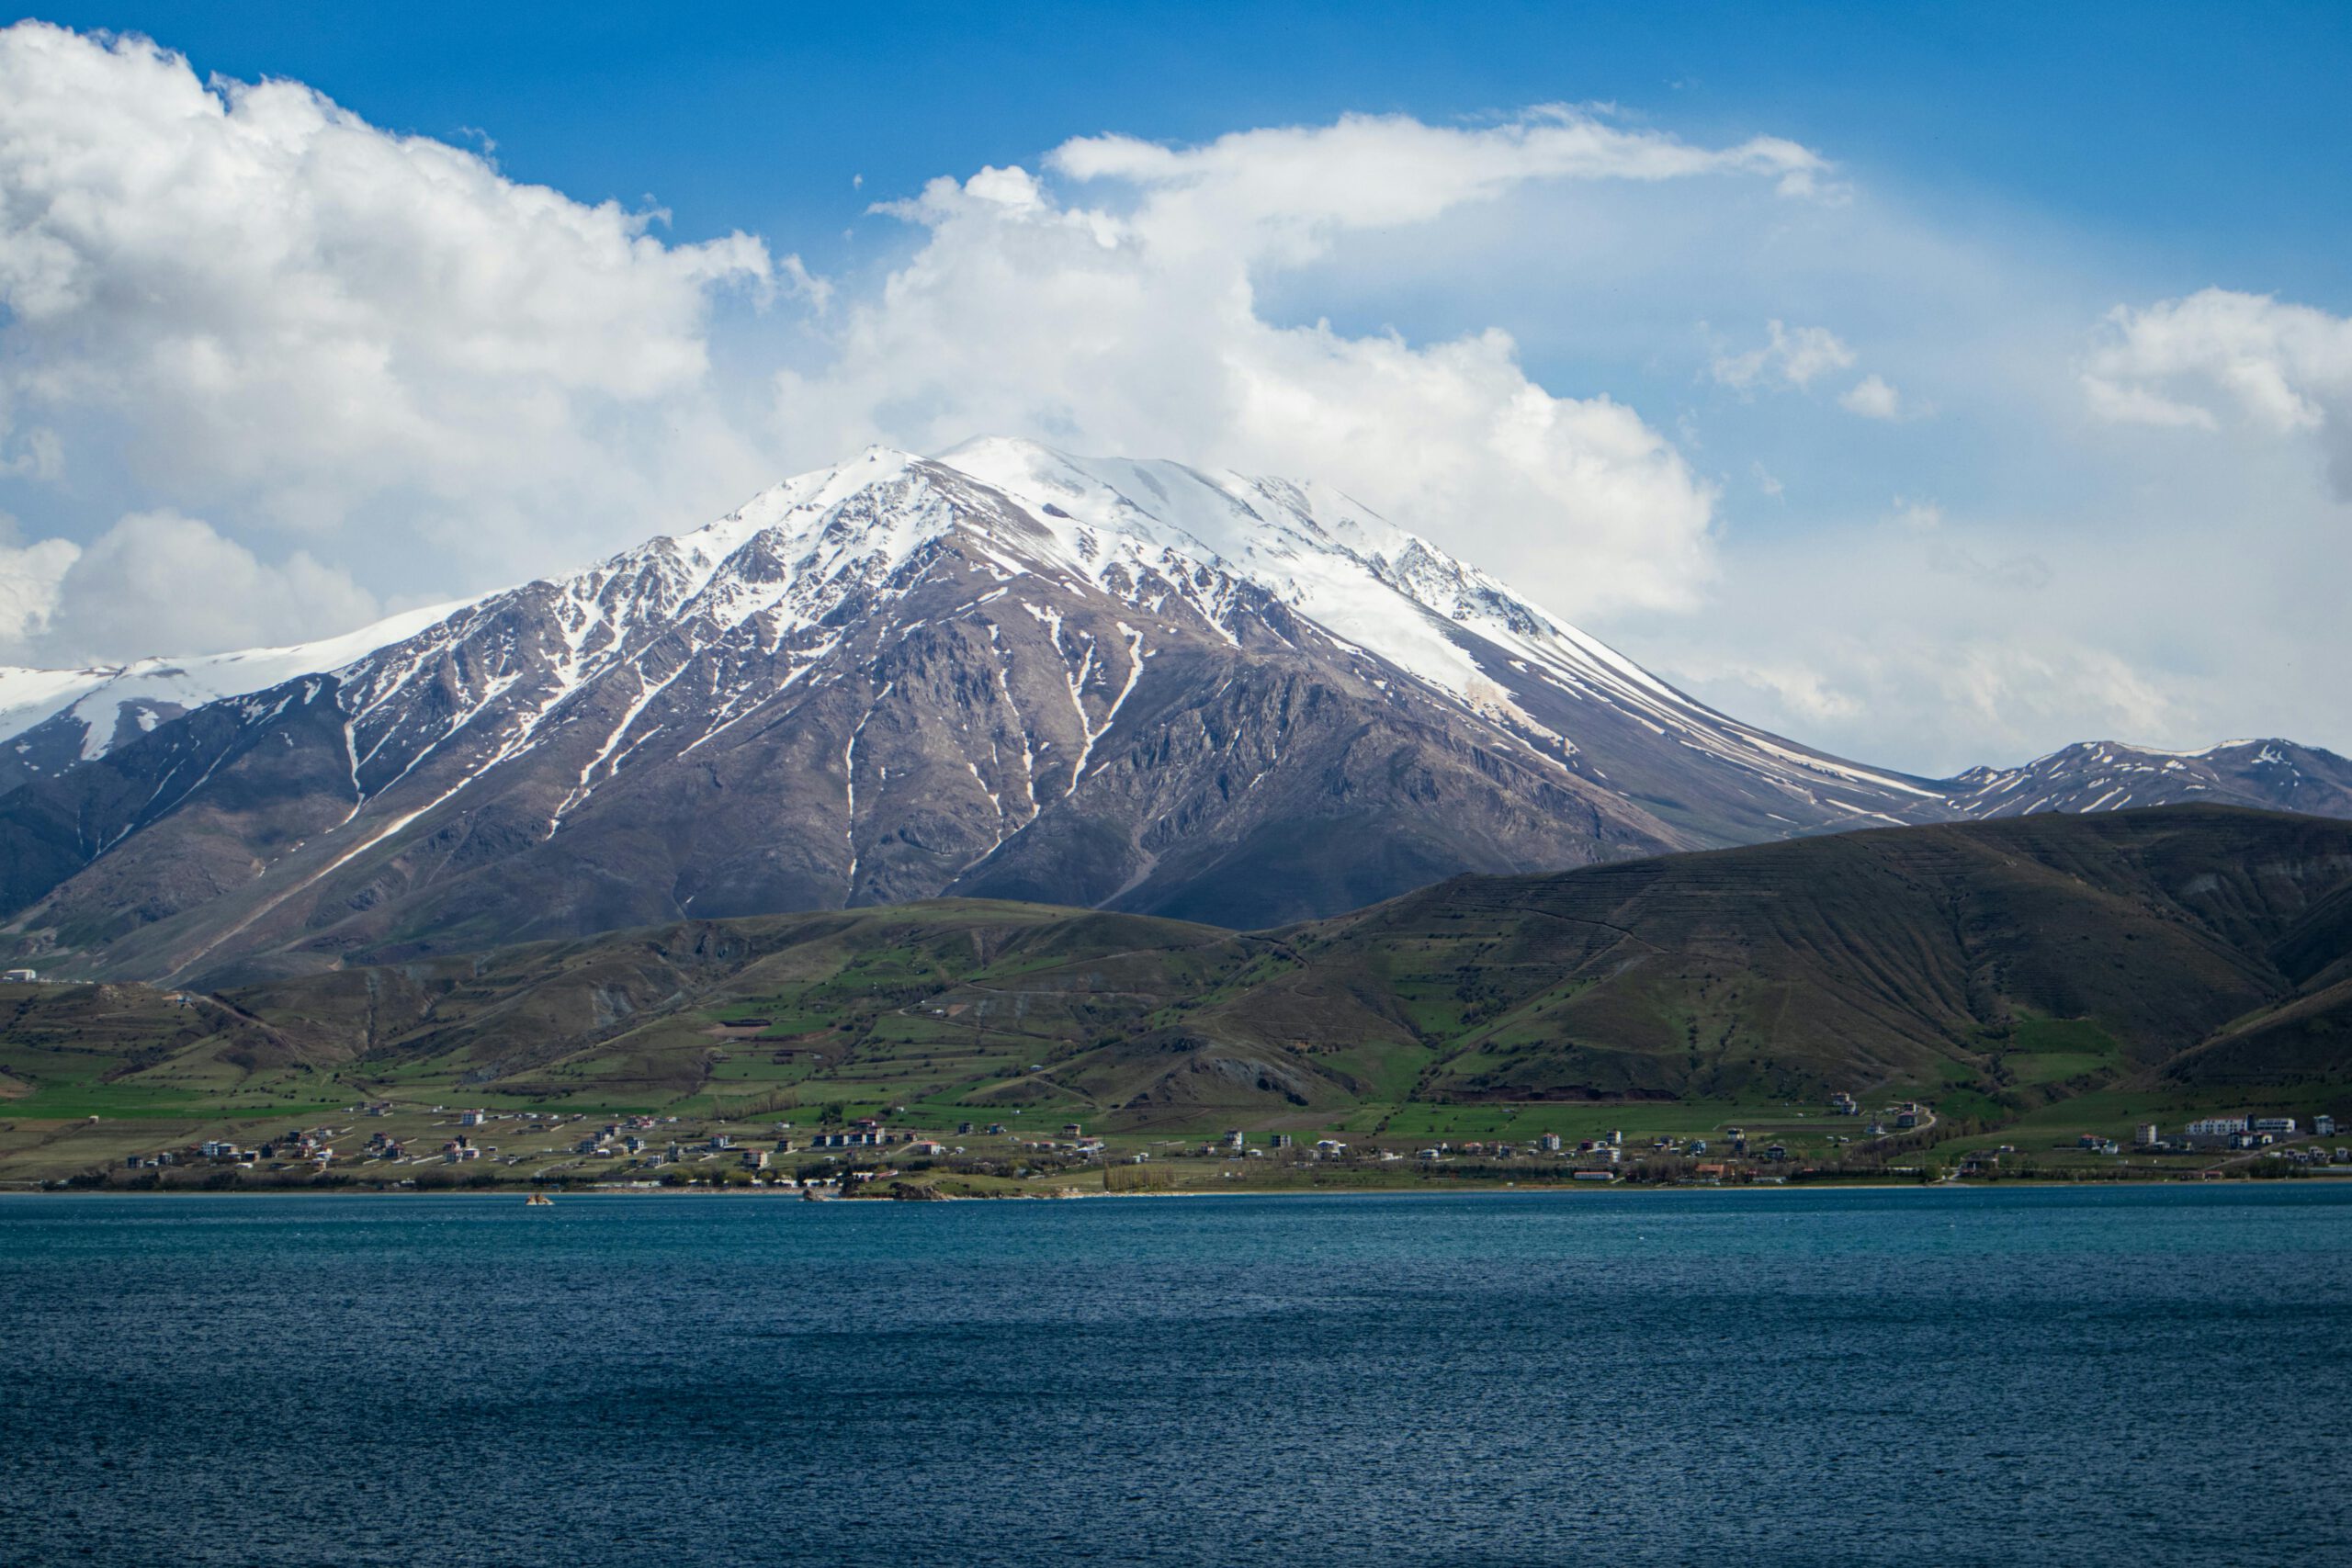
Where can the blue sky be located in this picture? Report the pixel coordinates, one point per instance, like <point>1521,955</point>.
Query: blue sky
<point>2206,139</point>
<point>1976,379</point>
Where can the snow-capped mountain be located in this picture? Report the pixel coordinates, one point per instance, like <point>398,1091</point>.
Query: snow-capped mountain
<point>1001,672</point>
<point>2106,776</point>
<point>51,720</point>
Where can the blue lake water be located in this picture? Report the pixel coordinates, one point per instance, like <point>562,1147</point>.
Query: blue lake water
<point>2162,1375</point>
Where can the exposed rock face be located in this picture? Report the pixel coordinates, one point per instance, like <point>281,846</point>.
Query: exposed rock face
<point>1001,672</point>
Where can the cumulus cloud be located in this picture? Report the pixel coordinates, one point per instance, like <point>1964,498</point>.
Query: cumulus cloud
<point>1790,357</point>
<point>160,583</point>
<point>2284,370</point>
<point>274,294</point>
<point>1872,398</point>
<point>1114,305</point>
<point>2282,364</point>
<point>263,304</point>
<point>30,575</point>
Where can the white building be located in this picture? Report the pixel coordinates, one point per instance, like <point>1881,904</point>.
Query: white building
<point>2217,1126</point>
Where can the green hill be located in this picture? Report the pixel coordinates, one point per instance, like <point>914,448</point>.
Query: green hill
<point>1991,967</point>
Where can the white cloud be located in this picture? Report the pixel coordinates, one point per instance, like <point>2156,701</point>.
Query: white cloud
<point>1872,399</point>
<point>29,577</point>
<point>1916,642</point>
<point>246,304</point>
<point>273,309</point>
<point>159,582</point>
<point>2138,405</point>
<point>2282,364</point>
<point>1133,324</point>
<point>2287,367</point>
<point>1791,356</point>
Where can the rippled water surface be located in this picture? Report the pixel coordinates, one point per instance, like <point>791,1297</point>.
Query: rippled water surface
<point>1902,1377</point>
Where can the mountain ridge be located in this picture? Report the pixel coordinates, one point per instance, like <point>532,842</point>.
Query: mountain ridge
<point>999,673</point>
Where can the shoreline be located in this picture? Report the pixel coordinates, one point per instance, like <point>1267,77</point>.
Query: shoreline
<point>1428,1191</point>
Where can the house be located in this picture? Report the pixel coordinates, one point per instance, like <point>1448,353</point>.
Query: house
<point>2276,1126</point>
<point>2211,1130</point>
<point>472,1118</point>
<point>1549,1143</point>
<point>2322,1126</point>
<point>24,976</point>
<point>928,1147</point>
<point>2144,1136</point>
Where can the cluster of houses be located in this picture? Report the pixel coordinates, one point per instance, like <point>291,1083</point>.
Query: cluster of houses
<point>2275,1137</point>
<point>2217,1133</point>
<point>2241,1134</point>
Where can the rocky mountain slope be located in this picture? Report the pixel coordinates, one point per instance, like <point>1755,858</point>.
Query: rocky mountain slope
<point>1001,672</point>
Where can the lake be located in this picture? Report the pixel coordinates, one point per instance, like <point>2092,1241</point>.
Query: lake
<point>2159,1374</point>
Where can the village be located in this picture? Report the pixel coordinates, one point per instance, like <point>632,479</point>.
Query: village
<point>387,1145</point>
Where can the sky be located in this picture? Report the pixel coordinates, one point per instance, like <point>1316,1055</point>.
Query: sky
<point>1937,385</point>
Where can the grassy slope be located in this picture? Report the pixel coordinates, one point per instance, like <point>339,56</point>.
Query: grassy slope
<point>1992,968</point>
